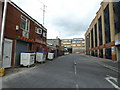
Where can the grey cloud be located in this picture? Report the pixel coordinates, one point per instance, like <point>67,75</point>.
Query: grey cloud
<point>70,25</point>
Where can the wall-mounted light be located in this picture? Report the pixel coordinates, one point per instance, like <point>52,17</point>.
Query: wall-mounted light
<point>17,27</point>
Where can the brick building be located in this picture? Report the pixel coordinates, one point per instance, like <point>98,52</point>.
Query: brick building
<point>103,35</point>
<point>21,33</point>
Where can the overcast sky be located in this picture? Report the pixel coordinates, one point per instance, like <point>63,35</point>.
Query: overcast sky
<point>63,18</point>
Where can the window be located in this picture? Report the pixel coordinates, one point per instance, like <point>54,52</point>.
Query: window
<point>25,26</point>
<point>83,41</point>
<point>100,30</point>
<point>38,30</point>
<point>74,42</point>
<point>107,24</point>
<point>44,34</point>
<point>96,35</point>
<point>25,23</point>
<point>73,45</point>
<point>116,8</point>
<point>92,40</point>
<point>78,44</point>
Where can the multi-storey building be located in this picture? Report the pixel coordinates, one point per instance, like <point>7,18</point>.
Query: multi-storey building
<point>67,44</point>
<point>74,45</point>
<point>21,33</point>
<point>78,45</point>
<point>103,36</point>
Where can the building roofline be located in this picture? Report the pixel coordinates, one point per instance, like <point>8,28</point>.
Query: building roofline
<point>26,14</point>
<point>93,20</point>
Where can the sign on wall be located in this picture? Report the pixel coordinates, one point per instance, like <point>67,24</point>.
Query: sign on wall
<point>117,42</point>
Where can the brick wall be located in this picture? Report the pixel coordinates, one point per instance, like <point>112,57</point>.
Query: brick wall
<point>13,18</point>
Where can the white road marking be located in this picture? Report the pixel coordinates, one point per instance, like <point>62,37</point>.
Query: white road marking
<point>75,67</point>
<point>77,86</point>
<point>113,78</point>
<point>75,70</point>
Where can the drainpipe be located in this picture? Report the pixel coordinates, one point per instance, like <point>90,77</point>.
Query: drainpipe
<point>2,32</point>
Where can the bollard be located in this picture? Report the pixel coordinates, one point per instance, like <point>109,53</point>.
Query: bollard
<point>2,72</point>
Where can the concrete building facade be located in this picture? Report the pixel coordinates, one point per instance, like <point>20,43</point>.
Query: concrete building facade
<point>74,45</point>
<point>103,35</point>
<point>78,45</point>
<point>21,33</point>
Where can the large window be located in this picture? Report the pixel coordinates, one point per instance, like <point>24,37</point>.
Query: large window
<point>107,24</point>
<point>116,7</point>
<point>92,41</point>
<point>95,35</point>
<point>25,23</point>
<point>88,43</point>
<point>25,26</point>
<point>100,30</point>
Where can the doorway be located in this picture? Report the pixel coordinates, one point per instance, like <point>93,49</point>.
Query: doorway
<point>7,53</point>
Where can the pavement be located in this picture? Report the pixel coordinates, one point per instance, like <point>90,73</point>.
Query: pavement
<point>71,71</point>
<point>108,63</point>
<point>12,70</point>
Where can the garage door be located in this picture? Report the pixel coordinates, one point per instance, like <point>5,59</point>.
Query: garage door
<point>20,46</point>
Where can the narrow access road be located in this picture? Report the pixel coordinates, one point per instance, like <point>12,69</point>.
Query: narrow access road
<point>71,71</point>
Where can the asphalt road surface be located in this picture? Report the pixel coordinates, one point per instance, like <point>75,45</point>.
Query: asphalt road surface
<point>71,71</point>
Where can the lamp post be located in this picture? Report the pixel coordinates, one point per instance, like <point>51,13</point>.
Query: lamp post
<point>2,32</point>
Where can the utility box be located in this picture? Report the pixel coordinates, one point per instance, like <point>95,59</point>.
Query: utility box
<point>27,58</point>
<point>50,56</point>
<point>40,57</point>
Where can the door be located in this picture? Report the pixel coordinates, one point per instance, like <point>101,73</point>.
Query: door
<point>20,46</point>
<point>7,53</point>
<point>108,53</point>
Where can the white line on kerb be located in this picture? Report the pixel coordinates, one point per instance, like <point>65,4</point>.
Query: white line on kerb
<point>115,79</point>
